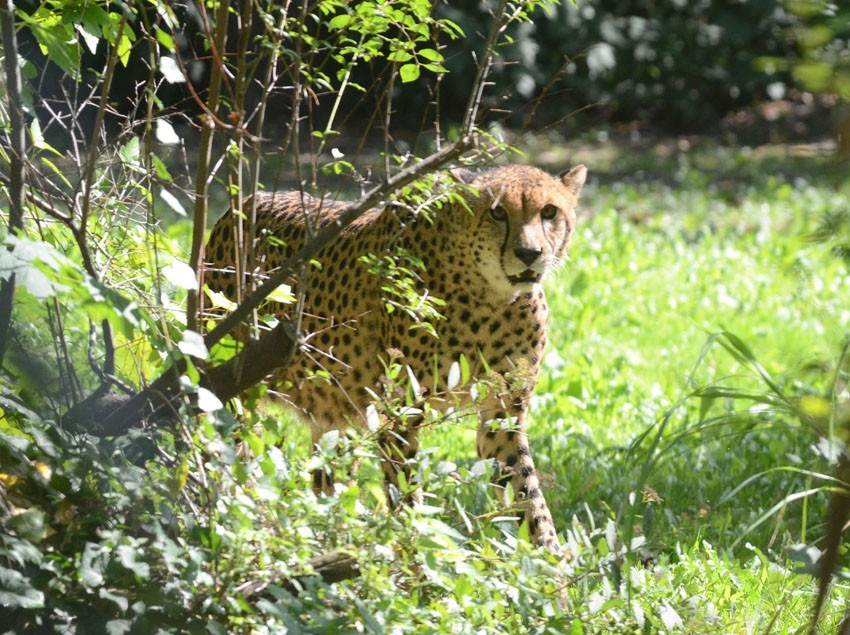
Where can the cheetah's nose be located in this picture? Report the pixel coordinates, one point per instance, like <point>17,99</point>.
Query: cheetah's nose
<point>528,255</point>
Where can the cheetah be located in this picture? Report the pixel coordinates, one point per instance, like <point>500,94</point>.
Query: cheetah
<point>485,256</point>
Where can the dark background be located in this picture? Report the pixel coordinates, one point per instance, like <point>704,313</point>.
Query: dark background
<point>674,66</point>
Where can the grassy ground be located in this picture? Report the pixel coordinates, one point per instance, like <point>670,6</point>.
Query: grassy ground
<point>695,241</point>
<point>683,481</point>
<point>694,321</point>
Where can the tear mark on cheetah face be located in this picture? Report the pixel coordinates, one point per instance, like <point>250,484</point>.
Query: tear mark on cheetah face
<point>522,224</point>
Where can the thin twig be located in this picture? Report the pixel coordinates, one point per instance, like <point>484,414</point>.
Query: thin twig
<point>199,218</point>
<point>79,232</point>
<point>88,184</point>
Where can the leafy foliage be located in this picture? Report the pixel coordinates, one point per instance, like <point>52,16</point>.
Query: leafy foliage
<point>675,63</point>
<point>686,418</point>
<point>680,65</point>
<point>822,63</point>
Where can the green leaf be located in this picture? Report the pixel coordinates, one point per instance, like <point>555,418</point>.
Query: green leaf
<point>454,376</point>
<point>738,348</point>
<point>39,142</point>
<point>165,39</point>
<point>121,601</point>
<point>91,565</point>
<point>175,205</point>
<point>161,169</point>
<point>207,401</point>
<point>814,75</point>
<point>129,152</point>
<point>372,625</point>
<point>16,591</point>
<point>180,275</point>
<point>430,54</point>
<point>214,628</point>
<point>340,22</point>
<point>400,56</point>
<point>89,35</point>
<point>409,72</point>
<point>127,558</point>
<point>193,345</point>
<point>218,300</point>
<point>125,45</point>
<point>27,276</point>
<point>166,135</point>
<point>465,370</point>
<point>59,173</point>
<point>118,627</point>
<point>171,70</point>
<point>282,294</point>
<point>29,524</point>
<point>56,39</point>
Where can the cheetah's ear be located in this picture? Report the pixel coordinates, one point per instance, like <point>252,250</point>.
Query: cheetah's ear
<point>463,175</point>
<point>574,178</point>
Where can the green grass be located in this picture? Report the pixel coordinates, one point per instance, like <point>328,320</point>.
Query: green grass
<point>690,495</point>
<point>656,269</point>
<point>711,493</point>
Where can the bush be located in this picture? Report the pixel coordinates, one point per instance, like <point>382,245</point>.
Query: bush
<point>677,64</point>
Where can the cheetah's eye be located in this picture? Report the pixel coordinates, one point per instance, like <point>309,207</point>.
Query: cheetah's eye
<point>549,212</point>
<point>498,214</point>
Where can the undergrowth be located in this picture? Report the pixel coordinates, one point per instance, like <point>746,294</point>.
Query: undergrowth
<point>679,425</point>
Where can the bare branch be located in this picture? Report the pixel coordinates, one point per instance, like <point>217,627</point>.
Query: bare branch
<point>330,567</point>
<point>80,231</point>
<point>202,176</point>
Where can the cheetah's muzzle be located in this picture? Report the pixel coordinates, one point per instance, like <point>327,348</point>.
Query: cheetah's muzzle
<point>526,277</point>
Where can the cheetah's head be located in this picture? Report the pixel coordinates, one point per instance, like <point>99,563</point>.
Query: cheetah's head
<point>522,222</point>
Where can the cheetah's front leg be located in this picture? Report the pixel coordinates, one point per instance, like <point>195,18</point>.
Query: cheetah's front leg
<point>511,449</point>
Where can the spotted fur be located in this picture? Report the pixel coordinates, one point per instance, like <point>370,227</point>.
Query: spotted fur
<point>486,259</point>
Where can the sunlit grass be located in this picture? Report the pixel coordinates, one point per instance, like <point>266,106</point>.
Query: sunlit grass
<point>655,271</point>
<point>683,514</point>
